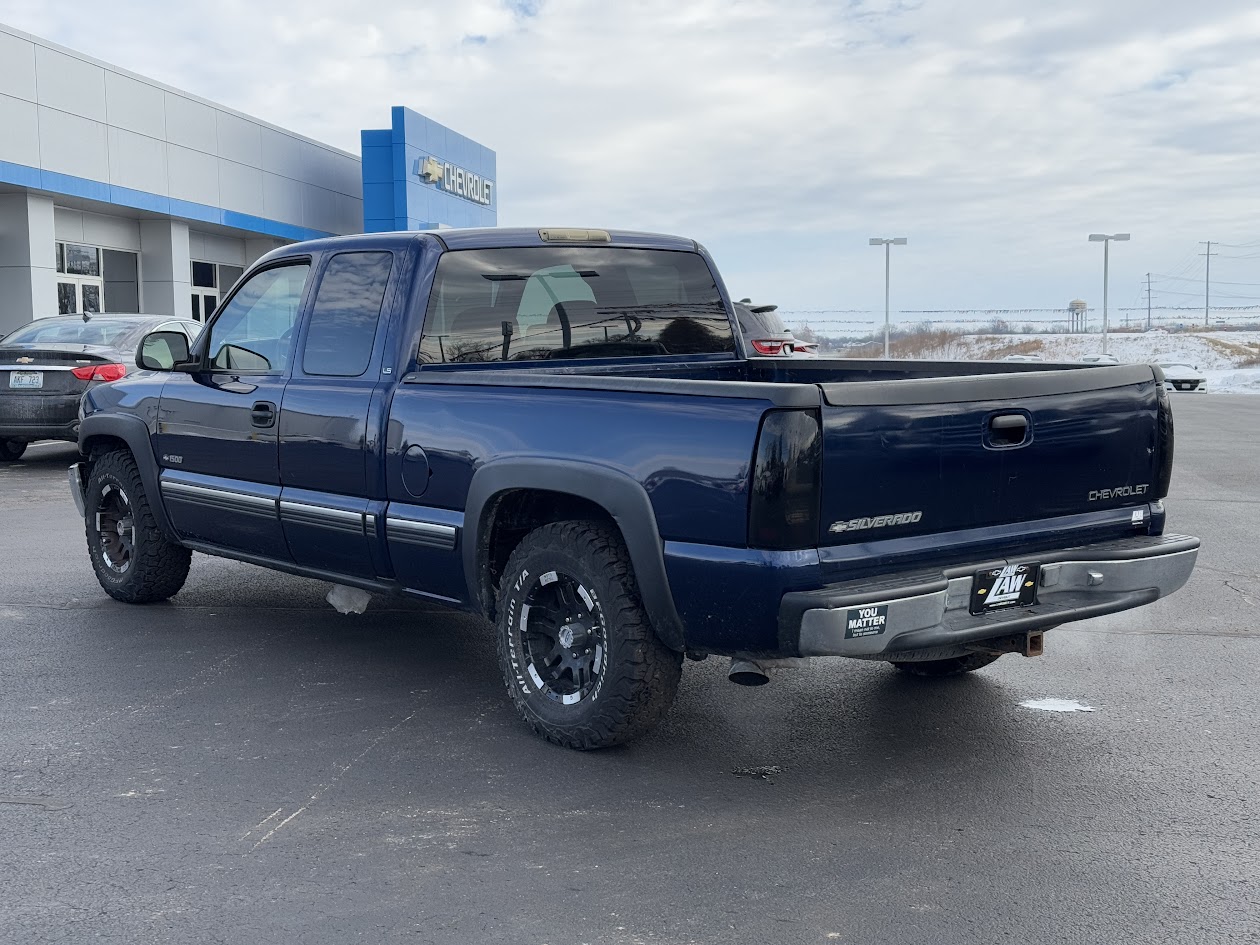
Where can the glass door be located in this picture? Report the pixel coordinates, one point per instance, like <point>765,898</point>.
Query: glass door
<point>79,282</point>
<point>205,290</point>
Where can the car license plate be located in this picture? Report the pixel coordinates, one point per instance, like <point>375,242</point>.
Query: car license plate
<point>26,380</point>
<point>1014,585</point>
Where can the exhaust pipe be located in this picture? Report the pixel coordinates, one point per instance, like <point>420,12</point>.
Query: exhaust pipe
<point>747,673</point>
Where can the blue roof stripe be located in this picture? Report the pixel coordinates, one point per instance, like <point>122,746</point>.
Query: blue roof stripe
<point>22,176</point>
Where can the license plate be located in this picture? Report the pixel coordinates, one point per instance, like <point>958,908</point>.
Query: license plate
<point>1014,585</point>
<point>26,380</point>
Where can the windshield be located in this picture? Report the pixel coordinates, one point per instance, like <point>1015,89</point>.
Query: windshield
<point>74,331</point>
<point>536,303</point>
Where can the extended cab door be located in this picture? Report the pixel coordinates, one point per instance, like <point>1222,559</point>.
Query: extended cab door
<point>217,428</point>
<point>329,455</point>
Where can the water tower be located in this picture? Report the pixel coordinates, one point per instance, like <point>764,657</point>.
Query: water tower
<point>1076,312</point>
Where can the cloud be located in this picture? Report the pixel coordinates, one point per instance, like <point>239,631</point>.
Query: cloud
<point>995,135</point>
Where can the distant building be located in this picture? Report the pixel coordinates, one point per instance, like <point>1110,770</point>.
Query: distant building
<point>119,193</point>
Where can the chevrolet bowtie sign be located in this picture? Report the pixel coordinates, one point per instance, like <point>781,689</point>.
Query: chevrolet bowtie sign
<point>455,180</point>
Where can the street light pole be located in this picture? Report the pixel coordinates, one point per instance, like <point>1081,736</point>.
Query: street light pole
<point>887,243</point>
<point>1106,239</point>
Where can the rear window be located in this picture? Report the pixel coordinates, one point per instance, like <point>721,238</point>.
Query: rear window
<point>536,303</point>
<point>74,331</point>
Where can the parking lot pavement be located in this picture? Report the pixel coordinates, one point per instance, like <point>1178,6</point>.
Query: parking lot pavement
<point>246,765</point>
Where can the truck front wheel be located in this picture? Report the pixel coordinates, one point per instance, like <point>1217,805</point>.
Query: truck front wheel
<point>580,659</point>
<point>133,560</point>
<point>12,450</point>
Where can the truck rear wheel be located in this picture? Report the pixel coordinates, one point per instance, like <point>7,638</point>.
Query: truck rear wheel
<point>579,657</point>
<point>133,560</point>
<point>955,666</point>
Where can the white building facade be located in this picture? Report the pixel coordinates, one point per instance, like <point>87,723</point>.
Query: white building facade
<point>118,193</point>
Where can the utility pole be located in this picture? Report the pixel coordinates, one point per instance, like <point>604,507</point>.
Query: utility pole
<point>1207,286</point>
<point>1148,301</point>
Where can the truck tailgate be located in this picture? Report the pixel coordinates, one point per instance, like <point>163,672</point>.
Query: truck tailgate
<point>918,457</point>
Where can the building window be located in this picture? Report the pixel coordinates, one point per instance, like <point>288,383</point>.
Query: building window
<point>81,260</point>
<point>203,275</point>
<point>209,282</point>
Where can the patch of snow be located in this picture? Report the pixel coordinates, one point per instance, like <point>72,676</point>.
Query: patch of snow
<point>1056,705</point>
<point>348,600</point>
<point>1219,355</point>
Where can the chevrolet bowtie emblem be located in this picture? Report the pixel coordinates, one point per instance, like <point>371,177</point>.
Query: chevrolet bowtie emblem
<point>25,360</point>
<point>431,170</point>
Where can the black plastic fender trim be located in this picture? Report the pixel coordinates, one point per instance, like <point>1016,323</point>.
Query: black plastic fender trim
<point>621,497</point>
<point>134,432</point>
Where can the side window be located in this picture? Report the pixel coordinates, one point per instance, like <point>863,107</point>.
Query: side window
<point>253,331</point>
<point>345,315</point>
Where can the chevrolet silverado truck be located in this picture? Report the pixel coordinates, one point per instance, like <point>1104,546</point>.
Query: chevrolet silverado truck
<point>560,430</point>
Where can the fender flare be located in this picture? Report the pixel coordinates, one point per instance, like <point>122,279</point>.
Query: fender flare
<point>134,432</point>
<point>625,501</point>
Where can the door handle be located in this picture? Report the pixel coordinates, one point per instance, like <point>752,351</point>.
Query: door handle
<point>1008,429</point>
<point>263,414</point>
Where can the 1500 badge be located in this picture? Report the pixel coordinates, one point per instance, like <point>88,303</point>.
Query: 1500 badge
<point>878,521</point>
<point>1118,492</point>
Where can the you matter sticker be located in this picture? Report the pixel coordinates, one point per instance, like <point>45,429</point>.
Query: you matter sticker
<point>865,621</point>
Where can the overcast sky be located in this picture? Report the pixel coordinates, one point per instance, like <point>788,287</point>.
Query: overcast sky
<point>994,134</point>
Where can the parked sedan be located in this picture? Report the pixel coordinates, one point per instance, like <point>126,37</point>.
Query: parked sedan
<point>1100,359</point>
<point>47,365</point>
<point>764,333</point>
<point>1183,377</point>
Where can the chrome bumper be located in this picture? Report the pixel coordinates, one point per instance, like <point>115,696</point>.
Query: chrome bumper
<point>75,475</point>
<point>931,611</point>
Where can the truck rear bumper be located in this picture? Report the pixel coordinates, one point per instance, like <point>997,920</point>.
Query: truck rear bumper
<point>905,614</point>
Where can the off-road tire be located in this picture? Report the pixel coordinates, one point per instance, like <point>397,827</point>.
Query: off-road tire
<point>955,666</point>
<point>155,567</point>
<point>11,450</point>
<point>625,694</point>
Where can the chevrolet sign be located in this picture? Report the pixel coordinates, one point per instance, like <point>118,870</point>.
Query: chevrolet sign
<point>455,180</point>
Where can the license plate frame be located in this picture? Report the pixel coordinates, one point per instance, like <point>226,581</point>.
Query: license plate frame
<point>1012,585</point>
<point>26,380</point>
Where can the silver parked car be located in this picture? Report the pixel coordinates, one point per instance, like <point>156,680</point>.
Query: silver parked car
<point>765,335</point>
<point>47,365</point>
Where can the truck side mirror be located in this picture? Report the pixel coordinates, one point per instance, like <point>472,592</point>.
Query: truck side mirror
<point>162,351</point>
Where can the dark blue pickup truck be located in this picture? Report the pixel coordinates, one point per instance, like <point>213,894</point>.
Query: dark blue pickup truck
<point>559,429</point>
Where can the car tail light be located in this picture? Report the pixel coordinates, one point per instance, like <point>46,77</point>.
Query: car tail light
<point>1164,435</point>
<point>768,347</point>
<point>100,372</point>
<point>786,481</point>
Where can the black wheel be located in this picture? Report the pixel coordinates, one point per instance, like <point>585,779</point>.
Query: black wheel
<point>134,562</point>
<point>955,666</point>
<point>11,450</point>
<point>579,657</point>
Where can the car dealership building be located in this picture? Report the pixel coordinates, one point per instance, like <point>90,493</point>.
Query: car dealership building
<point>118,193</point>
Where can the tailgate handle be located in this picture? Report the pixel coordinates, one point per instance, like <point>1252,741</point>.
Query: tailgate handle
<point>1008,429</point>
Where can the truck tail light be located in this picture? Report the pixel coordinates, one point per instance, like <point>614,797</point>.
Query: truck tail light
<point>771,348</point>
<point>100,372</point>
<point>1164,440</point>
<point>786,481</point>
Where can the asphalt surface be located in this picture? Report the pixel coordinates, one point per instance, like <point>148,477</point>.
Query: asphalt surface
<point>246,765</point>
